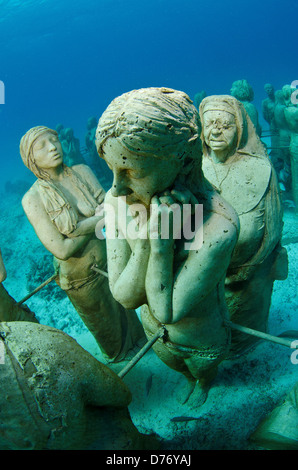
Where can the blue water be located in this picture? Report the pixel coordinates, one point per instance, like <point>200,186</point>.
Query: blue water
<point>64,61</point>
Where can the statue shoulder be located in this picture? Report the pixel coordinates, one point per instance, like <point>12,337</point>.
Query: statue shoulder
<point>31,196</point>
<point>81,169</point>
<point>220,206</point>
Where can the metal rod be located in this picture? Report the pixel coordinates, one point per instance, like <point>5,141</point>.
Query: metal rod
<point>38,289</point>
<point>260,334</point>
<point>159,334</point>
<point>100,271</point>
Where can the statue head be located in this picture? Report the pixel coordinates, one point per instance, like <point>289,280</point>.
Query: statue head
<point>242,90</point>
<point>269,89</point>
<point>227,128</point>
<point>287,91</point>
<point>279,97</point>
<point>91,123</point>
<point>40,150</point>
<point>155,133</point>
<point>68,134</point>
<point>222,118</point>
<point>59,128</point>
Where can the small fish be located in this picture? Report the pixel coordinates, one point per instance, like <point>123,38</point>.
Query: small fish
<point>149,384</point>
<point>180,419</point>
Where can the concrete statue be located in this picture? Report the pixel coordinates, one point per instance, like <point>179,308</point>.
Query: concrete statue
<point>236,163</point>
<point>62,208</point>
<point>150,140</point>
<point>243,91</point>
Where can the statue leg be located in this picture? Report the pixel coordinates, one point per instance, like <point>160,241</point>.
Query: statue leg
<point>115,329</point>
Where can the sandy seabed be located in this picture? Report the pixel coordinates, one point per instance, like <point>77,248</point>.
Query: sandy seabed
<point>245,390</point>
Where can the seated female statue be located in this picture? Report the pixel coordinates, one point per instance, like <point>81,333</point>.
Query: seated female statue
<point>150,140</point>
<point>236,163</point>
<point>61,206</point>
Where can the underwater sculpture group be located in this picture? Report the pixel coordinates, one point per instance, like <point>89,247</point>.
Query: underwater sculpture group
<point>162,153</point>
<point>281,113</point>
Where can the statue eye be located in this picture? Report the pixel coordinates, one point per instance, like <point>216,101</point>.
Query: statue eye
<point>40,145</point>
<point>135,174</point>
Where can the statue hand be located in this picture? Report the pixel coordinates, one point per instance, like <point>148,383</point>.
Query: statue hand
<point>86,227</point>
<point>161,224</point>
<point>183,195</point>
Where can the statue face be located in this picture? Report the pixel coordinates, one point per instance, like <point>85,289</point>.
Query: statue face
<point>219,131</point>
<point>269,89</point>
<point>47,151</point>
<point>137,177</point>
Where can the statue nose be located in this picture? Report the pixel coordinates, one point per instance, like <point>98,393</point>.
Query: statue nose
<point>120,188</point>
<point>216,130</point>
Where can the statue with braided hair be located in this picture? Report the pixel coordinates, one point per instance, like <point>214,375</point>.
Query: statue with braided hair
<point>150,140</point>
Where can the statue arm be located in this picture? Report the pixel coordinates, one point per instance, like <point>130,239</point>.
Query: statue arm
<point>180,292</point>
<point>126,266</point>
<point>56,243</point>
<point>159,283</point>
<point>86,226</point>
<point>3,273</point>
<point>203,270</point>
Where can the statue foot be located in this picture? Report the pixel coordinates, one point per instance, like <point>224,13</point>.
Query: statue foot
<point>194,394</point>
<point>198,396</point>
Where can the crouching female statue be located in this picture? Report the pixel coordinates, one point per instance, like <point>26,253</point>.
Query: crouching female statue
<point>61,206</point>
<point>150,140</point>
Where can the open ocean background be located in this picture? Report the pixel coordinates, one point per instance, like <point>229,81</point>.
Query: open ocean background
<point>64,61</point>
